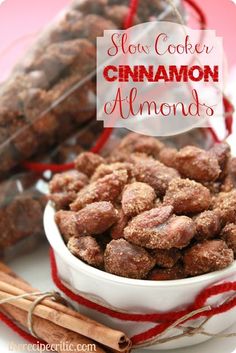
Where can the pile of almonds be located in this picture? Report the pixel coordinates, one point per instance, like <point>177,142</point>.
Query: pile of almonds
<point>149,211</point>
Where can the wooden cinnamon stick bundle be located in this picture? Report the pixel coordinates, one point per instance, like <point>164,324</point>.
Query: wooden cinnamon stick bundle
<point>54,335</point>
<point>56,314</point>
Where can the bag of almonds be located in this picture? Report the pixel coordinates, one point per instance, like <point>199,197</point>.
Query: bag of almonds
<point>23,194</point>
<point>51,92</point>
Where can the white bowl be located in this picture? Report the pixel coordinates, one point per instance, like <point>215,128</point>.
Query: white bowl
<point>137,296</point>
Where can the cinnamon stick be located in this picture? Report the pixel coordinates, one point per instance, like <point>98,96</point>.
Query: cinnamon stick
<point>45,330</point>
<point>56,336</point>
<point>64,316</point>
<point>101,335</point>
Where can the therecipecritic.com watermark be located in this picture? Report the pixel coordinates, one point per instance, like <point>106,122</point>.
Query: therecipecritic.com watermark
<point>57,347</point>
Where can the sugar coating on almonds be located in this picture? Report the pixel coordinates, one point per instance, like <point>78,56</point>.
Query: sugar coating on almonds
<point>159,229</point>
<point>87,162</point>
<point>140,143</point>
<point>136,198</point>
<point>122,156</point>
<point>62,200</point>
<point>87,249</point>
<point>107,188</point>
<point>64,187</point>
<point>154,173</point>
<point>68,181</point>
<point>225,203</point>
<point>166,258</point>
<point>168,156</point>
<point>66,222</point>
<point>127,260</point>
<point>197,164</point>
<point>209,256</point>
<point>228,234</point>
<point>105,169</point>
<point>95,218</point>
<point>118,156</point>
<point>187,196</point>
<point>136,157</point>
<point>208,225</point>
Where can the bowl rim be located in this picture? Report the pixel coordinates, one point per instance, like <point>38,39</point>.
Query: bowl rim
<point>57,243</point>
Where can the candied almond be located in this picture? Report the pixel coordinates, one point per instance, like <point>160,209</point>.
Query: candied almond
<point>62,200</point>
<point>66,222</point>
<point>105,169</point>
<point>107,188</point>
<point>159,229</point>
<point>187,196</point>
<point>95,218</point>
<point>208,225</point>
<point>167,156</point>
<point>209,256</point>
<point>155,174</point>
<point>228,234</point>
<point>124,259</point>
<point>87,249</point>
<point>135,157</point>
<point>68,181</point>
<point>225,203</point>
<point>140,143</point>
<point>197,164</point>
<point>136,198</point>
<point>64,187</point>
<point>118,156</point>
<point>87,162</point>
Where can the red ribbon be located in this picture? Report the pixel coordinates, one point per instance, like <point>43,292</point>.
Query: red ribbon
<point>164,319</point>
